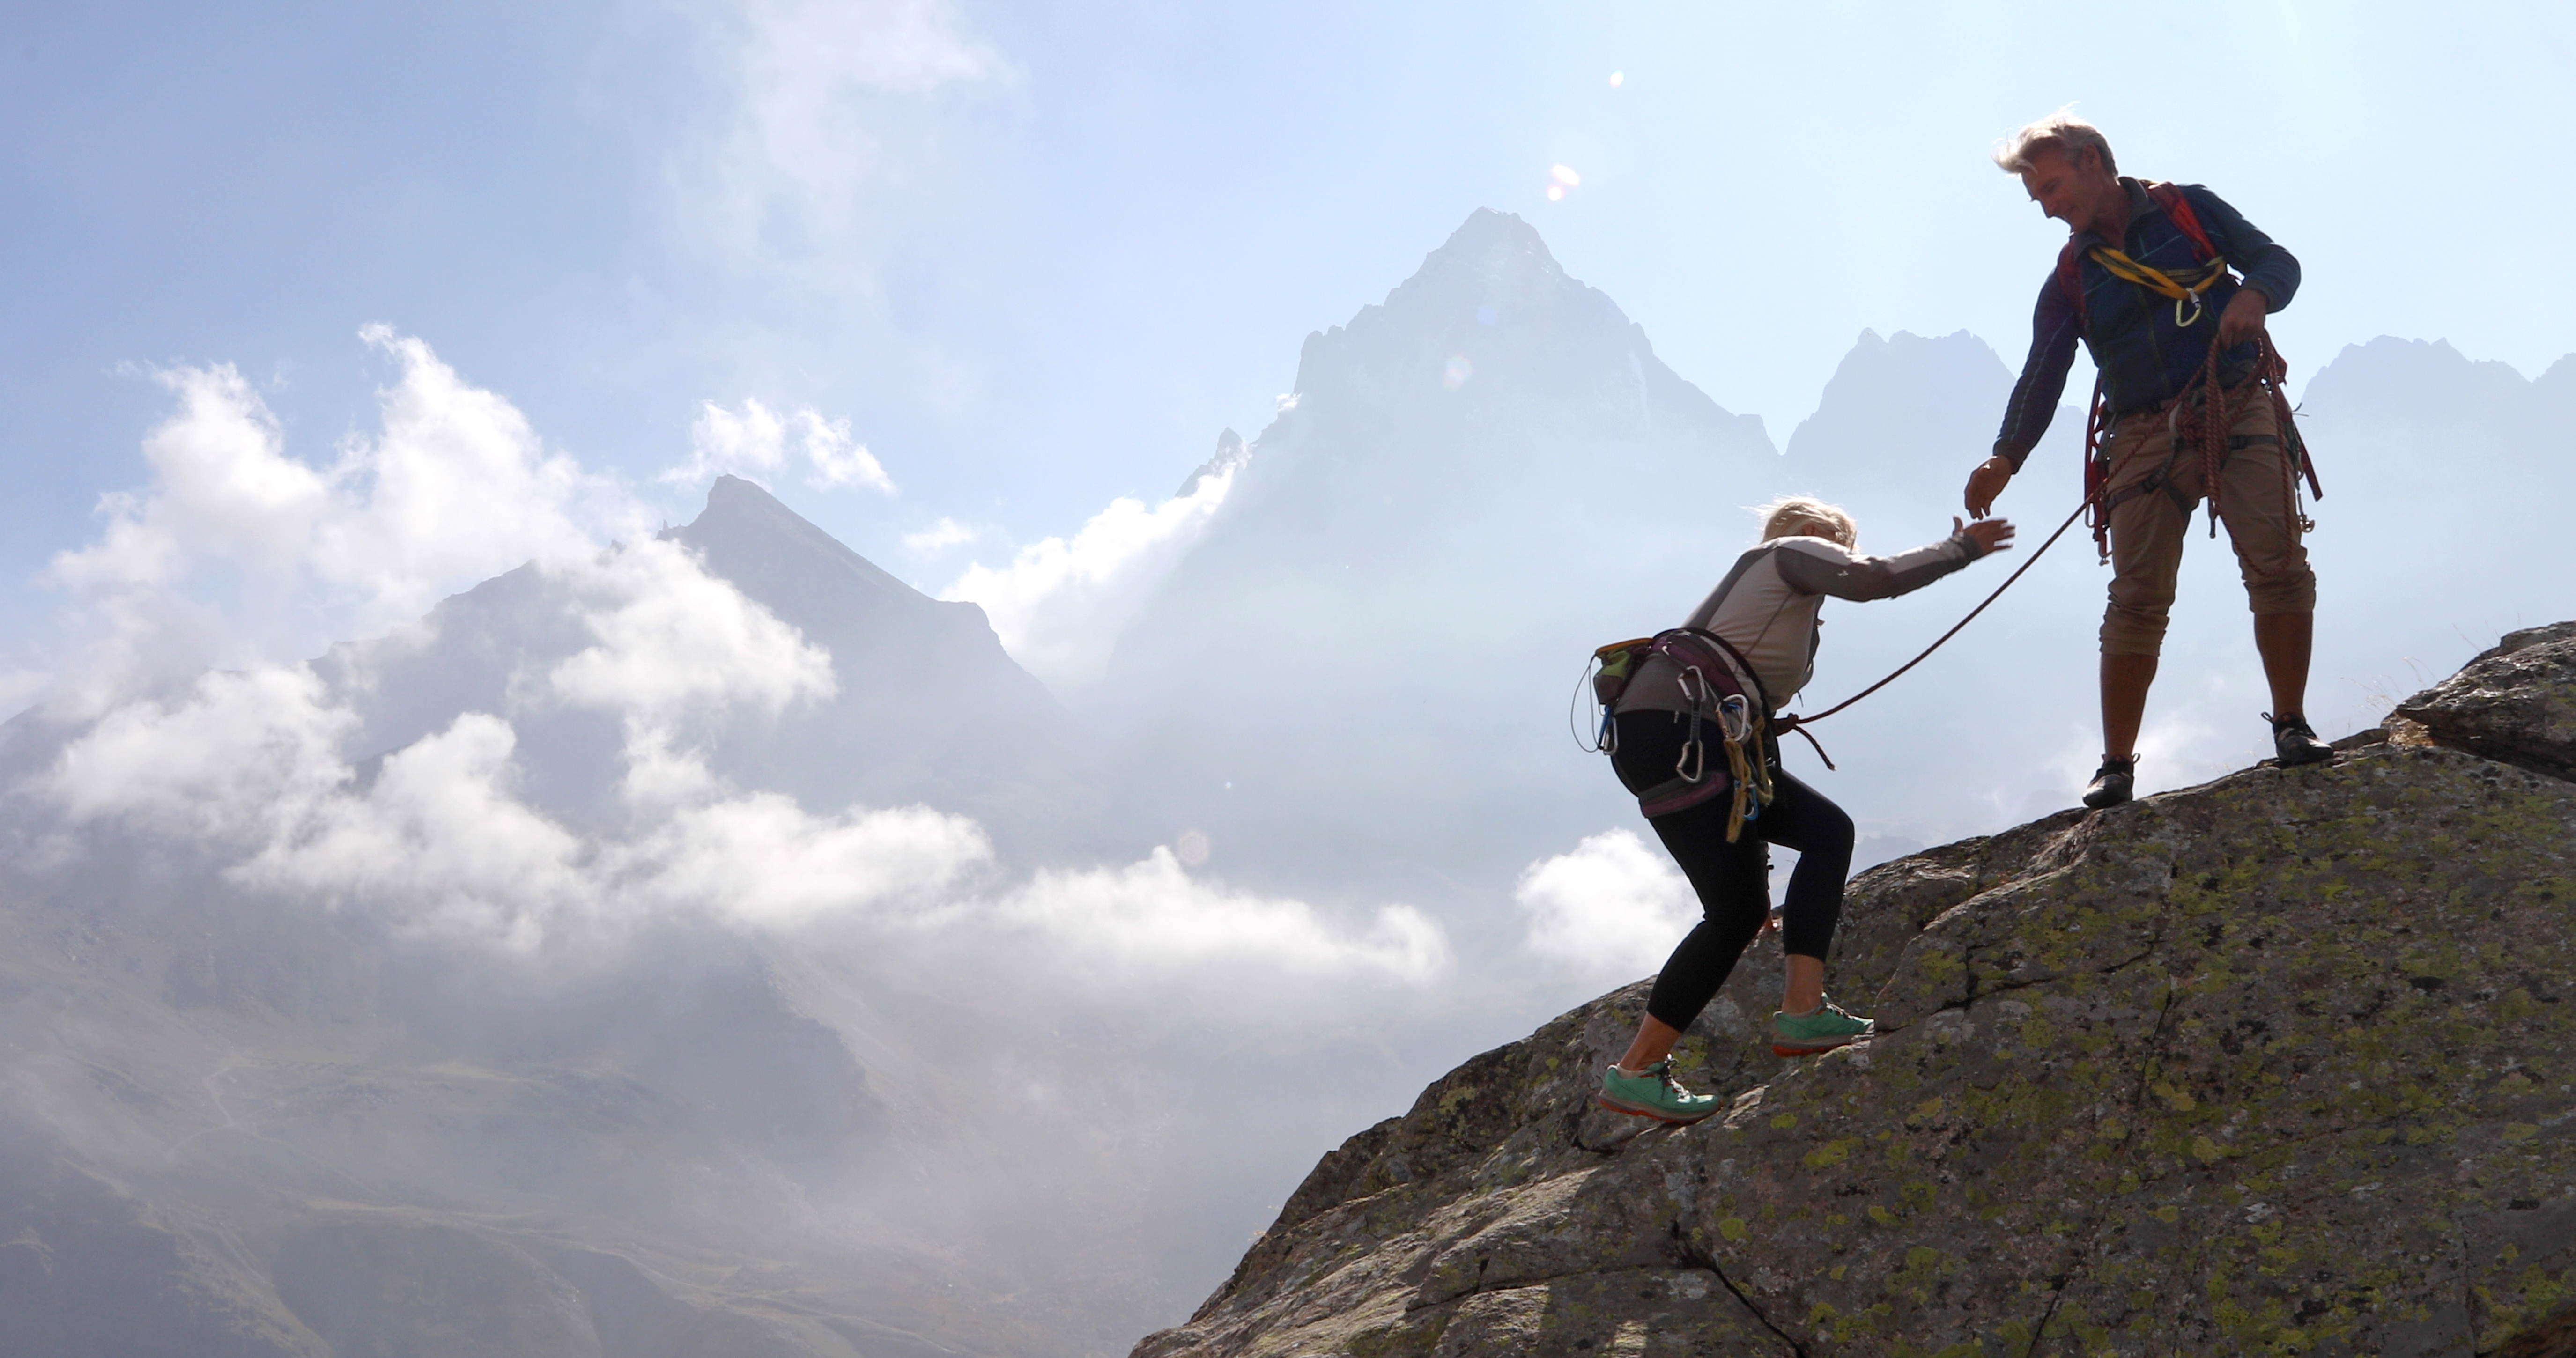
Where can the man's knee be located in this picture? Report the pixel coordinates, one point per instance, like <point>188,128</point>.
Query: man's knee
<point>2278,578</point>
<point>2130,627</point>
<point>2291,591</point>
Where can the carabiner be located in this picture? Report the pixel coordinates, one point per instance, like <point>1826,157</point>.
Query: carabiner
<point>1735,717</point>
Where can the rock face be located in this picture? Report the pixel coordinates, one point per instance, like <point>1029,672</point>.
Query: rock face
<point>2511,703</point>
<point>2284,1063</point>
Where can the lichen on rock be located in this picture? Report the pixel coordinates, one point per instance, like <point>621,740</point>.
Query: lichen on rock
<point>2280,1064</point>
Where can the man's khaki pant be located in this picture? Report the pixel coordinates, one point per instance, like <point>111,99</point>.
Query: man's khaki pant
<point>2147,529</point>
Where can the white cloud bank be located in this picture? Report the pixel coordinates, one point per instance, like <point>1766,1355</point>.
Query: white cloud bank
<point>237,549</point>
<point>249,766</point>
<point>254,768</point>
<point>1060,604</point>
<point>754,443</point>
<point>1608,912</point>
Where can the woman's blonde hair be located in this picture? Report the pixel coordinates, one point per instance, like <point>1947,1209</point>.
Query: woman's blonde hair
<point>1805,516</point>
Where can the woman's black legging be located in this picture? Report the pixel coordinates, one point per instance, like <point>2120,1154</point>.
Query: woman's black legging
<point>1734,880</point>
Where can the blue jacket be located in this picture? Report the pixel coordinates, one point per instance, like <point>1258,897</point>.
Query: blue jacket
<point>2145,359</point>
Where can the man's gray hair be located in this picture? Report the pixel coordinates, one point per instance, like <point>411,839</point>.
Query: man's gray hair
<point>2061,132</point>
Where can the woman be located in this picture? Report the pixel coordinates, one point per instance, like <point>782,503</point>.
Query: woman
<point>1766,608</point>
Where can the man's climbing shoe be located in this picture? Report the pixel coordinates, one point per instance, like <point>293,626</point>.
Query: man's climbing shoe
<point>1653,1093</point>
<point>2297,741</point>
<point>2112,783</point>
<point>1822,1031</point>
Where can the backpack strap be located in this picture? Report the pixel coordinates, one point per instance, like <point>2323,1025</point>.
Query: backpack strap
<point>2166,196</point>
<point>2169,197</point>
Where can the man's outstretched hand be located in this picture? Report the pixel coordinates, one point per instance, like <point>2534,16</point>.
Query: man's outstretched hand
<point>1987,482</point>
<point>1993,535</point>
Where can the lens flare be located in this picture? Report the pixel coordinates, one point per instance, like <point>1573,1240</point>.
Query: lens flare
<point>1618,78</point>
<point>1556,193</point>
<point>1564,174</point>
<point>1457,373</point>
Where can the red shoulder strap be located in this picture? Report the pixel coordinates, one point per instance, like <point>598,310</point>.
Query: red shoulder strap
<point>2169,197</point>
<point>2069,281</point>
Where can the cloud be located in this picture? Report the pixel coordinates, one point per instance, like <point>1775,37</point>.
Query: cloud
<point>439,842</point>
<point>1153,919</point>
<point>1609,912</point>
<point>755,442</point>
<point>939,537</point>
<point>223,488</point>
<point>230,757</point>
<point>255,770</point>
<point>762,862</point>
<point>821,108</point>
<point>457,487</point>
<point>236,550</point>
<point>1059,605</point>
<point>672,637</point>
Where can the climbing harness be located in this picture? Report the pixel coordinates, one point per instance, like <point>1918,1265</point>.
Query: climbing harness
<point>1720,690</point>
<point>2201,421</point>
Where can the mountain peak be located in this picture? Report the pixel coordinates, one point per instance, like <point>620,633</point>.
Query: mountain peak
<point>1497,244</point>
<point>1492,320</point>
<point>745,529</point>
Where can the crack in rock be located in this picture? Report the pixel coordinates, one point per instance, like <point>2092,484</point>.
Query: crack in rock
<point>1692,1256</point>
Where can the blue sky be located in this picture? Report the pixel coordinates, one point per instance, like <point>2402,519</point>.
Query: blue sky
<point>1035,255</point>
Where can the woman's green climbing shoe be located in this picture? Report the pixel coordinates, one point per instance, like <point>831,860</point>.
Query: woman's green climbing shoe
<point>1653,1093</point>
<point>1822,1031</point>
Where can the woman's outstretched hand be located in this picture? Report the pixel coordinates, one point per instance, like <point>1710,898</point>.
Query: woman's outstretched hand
<point>1993,535</point>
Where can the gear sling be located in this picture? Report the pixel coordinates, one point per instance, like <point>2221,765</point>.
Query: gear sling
<point>1725,699</point>
<point>2184,287</point>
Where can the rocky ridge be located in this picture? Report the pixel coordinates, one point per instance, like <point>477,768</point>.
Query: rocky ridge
<point>2279,1064</point>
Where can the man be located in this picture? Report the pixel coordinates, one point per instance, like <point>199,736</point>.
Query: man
<point>2138,285</point>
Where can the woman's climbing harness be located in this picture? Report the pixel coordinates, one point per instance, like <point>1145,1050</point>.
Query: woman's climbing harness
<point>1720,690</point>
